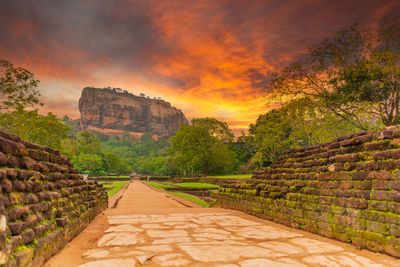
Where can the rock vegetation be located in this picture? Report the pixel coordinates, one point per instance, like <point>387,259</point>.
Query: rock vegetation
<point>44,202</point>
<point>347,189</point>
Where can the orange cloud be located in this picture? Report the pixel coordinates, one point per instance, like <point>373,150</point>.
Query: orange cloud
<point>208,58</point>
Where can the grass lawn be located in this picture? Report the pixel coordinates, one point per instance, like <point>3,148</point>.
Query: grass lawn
<point>197,185</point>
<point>110,176</point>
<point>116,187</point>
<point>159,185</point>
<point>191,198</point>
<point>233,176</point>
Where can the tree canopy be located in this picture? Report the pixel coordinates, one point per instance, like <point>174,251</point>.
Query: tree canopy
<point>200,147</point>
<point>296,124</point>
<point>354,75</point>
<point>18,87</point>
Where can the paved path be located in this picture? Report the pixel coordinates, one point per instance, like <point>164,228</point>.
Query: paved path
<point>147,228</point>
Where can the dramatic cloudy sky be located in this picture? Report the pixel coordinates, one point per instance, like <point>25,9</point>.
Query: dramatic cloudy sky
<point>208,58</point>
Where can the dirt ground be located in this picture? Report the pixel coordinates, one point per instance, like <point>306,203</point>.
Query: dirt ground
<point>149,228</point>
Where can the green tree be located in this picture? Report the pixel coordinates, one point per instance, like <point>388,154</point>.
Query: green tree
<point>89,143</point>
<point>354,75</point>
<point>296,124</point>
<point>31,126</point>
<point>114,163</point>
<point>89,163</point>
<point>200,147</point>
<point>17,87</point>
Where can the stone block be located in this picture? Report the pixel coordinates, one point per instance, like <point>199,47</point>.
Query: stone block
<point>24,257</point>
<point>386,165</point>
<point>376,145</point>
<point>3,159</point>
<point>395,185</point>
<point>380,185</point>
<point>359,175</point>
<point>19,186</point>
<point>12,174</point>
<point>16,228</point>
<point>371,165</point>
<point>31,220</point>
<point>379,195</point>
<point>378,227</point>
<point>394,196</point>
<point>28,163</point>
<point>358,203</point>
<point>395,230</point>
<point>6,186</point>
<point>378,205</point>
<point>394,207</point>
<point>3,223</point>
<point>382,155</point>
<point>381,175</point>
<point>61,222</point>
<point>363,185</point>
<point>385,134</point>
<point>28,236</point>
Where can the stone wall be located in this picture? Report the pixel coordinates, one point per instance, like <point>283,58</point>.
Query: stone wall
<point>44,203</point>
<point>347,189</point>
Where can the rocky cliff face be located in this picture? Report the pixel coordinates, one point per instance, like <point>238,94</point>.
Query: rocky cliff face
<point>112,111</point>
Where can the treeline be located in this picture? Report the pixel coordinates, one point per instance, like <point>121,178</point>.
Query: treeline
<point>204,147</point>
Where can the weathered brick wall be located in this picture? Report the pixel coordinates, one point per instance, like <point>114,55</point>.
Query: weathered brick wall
<point>44,203</point>
<point>348,189</point>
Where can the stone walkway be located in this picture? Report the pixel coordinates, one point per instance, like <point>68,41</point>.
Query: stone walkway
<point>148,228</point>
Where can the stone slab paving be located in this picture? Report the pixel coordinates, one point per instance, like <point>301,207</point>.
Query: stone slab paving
<point>181,236</point>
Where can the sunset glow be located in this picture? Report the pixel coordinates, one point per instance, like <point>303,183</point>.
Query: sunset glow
<point>207,58</point>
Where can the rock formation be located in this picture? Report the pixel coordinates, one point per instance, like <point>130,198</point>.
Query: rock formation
<point>113,111</point>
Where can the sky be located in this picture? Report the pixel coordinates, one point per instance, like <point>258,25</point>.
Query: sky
<point>207,58</point>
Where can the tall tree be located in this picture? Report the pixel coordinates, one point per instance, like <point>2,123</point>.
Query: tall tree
<point>18,87</point>
<point>200,147</point>
<point>355,75</point>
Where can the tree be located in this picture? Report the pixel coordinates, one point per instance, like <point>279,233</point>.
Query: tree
<point>354,75</point>
<point>31,126</point>
<point>17,87</point>
<point>88,143</point>
<point>114,163</point>
<point>200,147</point>
<point>89,163</point>
<point>296,124</point>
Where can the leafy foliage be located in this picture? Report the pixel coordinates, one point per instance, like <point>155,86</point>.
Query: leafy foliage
<point>29,125</point>
<point>297,124</point>
<point>200,147</point>
<point>17,87</point>
<point>354,75</point>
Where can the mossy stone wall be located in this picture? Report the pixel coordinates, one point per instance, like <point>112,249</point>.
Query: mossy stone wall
<point>44,202</point>
<point>347,189</point>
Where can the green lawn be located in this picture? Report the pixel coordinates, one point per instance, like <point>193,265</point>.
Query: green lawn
<point>197,185</point>
<point>190,198</point>
<point>159,185</point>
<point>116,187</point>
<point>233,176</point>
<point>110,176</point>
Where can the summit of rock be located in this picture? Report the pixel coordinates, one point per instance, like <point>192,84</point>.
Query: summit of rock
<point>113,111</point>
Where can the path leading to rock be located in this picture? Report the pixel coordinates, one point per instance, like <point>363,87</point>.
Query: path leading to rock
<point>150,229</point>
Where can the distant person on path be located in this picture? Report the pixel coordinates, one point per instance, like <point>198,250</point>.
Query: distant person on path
<point>133,174</point>
<point>147,178</point>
